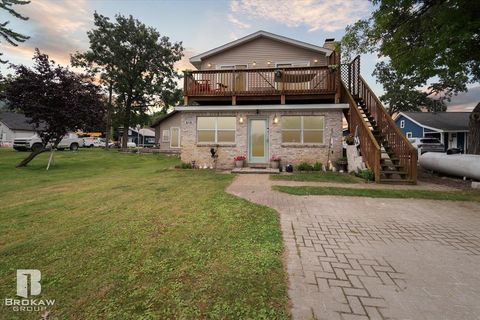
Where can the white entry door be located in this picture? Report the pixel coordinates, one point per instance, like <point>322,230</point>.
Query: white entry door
<point>257,140</point>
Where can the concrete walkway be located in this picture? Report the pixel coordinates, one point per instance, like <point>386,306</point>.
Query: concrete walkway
<point>364,258</point>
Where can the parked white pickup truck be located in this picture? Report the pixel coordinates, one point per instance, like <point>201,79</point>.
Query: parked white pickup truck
<point>70,141</point>
<point>93,142</point>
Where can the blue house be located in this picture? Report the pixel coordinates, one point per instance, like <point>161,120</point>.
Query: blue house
<point>451,128</point>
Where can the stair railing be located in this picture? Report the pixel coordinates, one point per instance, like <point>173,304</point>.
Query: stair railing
<point>369,146</point>
<point>399,144</point>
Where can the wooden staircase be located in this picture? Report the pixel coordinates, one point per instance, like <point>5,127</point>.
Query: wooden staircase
<point>383,147</point>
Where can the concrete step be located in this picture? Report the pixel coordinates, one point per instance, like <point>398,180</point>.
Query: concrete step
<point>247,170</point>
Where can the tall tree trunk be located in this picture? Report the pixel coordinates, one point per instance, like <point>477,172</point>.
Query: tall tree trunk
<point>126,122</point>
<point>474,131</point>
<point>109,116</point>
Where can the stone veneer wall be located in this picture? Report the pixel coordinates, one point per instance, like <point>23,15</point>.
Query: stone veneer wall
<point>290,154</point>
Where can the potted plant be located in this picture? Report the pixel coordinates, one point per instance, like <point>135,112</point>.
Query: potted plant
<point>275,161</point>
<point>350,140</point>
<point>239,161</point>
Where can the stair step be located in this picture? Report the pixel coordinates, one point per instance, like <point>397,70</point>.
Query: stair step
<point>401,173</point>
<point>396,181</point>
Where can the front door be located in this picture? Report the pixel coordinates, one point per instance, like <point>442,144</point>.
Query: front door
<point>257,141</point>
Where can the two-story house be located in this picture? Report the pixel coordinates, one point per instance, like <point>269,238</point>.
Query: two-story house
<point>265,95</point>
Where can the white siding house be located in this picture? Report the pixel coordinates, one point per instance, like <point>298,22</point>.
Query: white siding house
<point>12,126</point>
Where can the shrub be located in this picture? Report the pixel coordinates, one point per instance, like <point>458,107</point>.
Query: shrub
<point>304,167</point>
<point>365,174</point>
<point>184,166</point>
<point>318,166</point>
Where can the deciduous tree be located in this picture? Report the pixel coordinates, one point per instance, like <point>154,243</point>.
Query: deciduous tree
<point>138,62</point>
<point>434,42</point>
<point>56,99</point>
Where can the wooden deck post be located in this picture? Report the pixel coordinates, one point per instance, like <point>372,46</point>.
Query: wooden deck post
<point>234,100</point>
<point>185,100</point>
<point>282,99</point>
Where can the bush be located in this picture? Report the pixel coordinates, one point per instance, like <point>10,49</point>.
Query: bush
<point>318,166</point>
<point>304,167</point>
<point>184,166</point>
<point>366,174</point>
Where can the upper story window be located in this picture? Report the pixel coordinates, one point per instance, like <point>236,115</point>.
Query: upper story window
<point>216,129</point>
<point>303,129</point>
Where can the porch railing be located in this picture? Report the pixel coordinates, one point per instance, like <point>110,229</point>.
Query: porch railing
<point>260,82</point>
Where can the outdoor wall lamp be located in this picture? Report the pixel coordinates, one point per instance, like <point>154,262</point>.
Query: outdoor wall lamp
<point>316,60</point>
<point>240,120</point>
<point>275,119</point>
<point>269,62</point>
<point>254,63</point>
<point>209,65</point>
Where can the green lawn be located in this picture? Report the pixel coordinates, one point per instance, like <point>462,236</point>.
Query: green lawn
<point>318,177</point>
<point>472,195</point>
<point>123,236</point>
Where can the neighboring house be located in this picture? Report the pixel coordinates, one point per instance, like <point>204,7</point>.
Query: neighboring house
<point>265,95</point>
<point>142,137</point>
<point>451,128</point>
<point>14,125</point>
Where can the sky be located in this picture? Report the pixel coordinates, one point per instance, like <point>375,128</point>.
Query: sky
<point>59,27</point>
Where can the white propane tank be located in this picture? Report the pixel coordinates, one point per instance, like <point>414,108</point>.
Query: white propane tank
<point>460,165</point>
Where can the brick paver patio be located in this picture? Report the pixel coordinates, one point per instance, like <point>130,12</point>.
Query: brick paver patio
<point>364,258</point>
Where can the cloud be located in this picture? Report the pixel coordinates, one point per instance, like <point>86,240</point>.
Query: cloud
<point>58,28</point>
<point>465,101</point>
<point>325,15</point>
<point>237,23</point>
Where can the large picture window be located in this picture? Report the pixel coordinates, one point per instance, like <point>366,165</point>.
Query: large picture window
<point>216,129</point>
<point>303,129</point>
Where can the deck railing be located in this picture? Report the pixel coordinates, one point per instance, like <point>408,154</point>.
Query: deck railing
<point>260,82</point>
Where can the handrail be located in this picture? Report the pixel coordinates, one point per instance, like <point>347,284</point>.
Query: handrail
<point>401,147</point>
<point>380,105</point>
<point>368,144</point>
<point>255,69</point>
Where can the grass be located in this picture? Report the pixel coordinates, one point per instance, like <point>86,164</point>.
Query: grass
<point>317,176</point>
<point>472,195</point>
<point>125,236</point>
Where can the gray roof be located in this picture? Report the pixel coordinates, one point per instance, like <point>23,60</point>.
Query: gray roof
<point>17,121</point>
<point>444,121</point>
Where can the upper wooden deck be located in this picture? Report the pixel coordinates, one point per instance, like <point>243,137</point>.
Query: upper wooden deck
<point>321,82</point>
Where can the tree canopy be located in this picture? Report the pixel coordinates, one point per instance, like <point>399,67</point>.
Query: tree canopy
<point>7,33</point>
<point>55,98</point>
<point>434,45</point>
<point>136,60</point>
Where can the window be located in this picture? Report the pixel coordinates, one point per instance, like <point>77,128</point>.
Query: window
<point>409,135</point>
<point>303,129</point>
<point>165,135</point>
<point>175,137</point>
<point>402,124</point>
<point>216,129</point>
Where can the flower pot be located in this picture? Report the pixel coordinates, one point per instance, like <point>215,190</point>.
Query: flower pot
<point>274,164</point>
<point>239,163</point>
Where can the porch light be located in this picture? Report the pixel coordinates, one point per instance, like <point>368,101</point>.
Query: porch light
<point>275,119</point>
<point>240,120</point>
<point>269,62</point>
<point>209,65</point>
<point>316,60</point>
<point>254,63</point>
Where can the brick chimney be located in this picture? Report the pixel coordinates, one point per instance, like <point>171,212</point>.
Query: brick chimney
<point>329,43</point>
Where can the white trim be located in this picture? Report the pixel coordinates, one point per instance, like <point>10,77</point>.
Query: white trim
<point>171,136</point>
<point>409,135</point>
<point>275,107</point>
<point>196,60</point>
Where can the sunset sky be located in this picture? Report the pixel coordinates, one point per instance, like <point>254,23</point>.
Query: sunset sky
<point>58,27</point>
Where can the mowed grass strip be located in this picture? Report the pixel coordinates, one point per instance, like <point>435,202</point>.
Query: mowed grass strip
<point>317,176</point>
<point>471,195</point>
<point>125,236</point>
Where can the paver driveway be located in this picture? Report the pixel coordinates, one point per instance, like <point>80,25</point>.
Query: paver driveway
<point>364,258</point>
